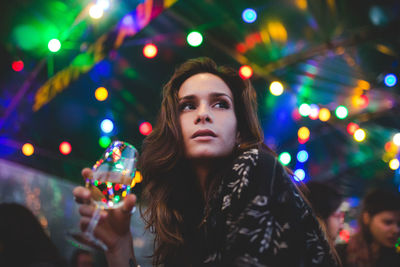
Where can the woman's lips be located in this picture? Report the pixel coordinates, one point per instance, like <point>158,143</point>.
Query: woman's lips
<point>204,134</point>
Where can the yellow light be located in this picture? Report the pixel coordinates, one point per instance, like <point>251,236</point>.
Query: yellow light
<point>324,114</point>
<point>277,31</point>
<point>101,94</point>
<point>276,88</point>
<point>394,164</point>
<point>301,4</point>
<point>138,177</point>
<point>359,135</point>
<point>363,84</point>
<point>303,133</point>
<point>28,149</point>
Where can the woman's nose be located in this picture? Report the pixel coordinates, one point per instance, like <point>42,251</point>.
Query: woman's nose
<point>203,114</point>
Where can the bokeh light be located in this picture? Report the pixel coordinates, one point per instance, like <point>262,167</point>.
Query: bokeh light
<point>28,149</point>
<point>390,80</point>
<point>299,175</point>
<point>352,127</point>
<point>107,126</point>
<point>394,164</point>
<point>302,156</point>
<point>101,94</point>
<point>304,110</point>
<point>314,112</point>
<point>249,15</point>
<point>303,133</point>
<point>145,128</point>
<point>324,114</point>
<point>396,139</point>
<point>276,88</point>
<point>359,135</point>
<point>96,11</point>
<point>103,4</point>
<point>17,65</point>
<point>65,148</point>
<point>245,72</point>
<point>341,112</point>
<point>54,45</point>
<point>150,50</point>
<point>194,39</point>
<point>285,158</point>
<point>104,141</point>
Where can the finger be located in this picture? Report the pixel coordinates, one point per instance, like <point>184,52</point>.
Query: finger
<point>83,223</point>
<point>128,204</point>
<point>81,195</point>
<point>87,173</point>
<point>86,210</point>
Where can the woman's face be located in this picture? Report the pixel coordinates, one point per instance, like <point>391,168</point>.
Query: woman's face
<point>334,223</point>
<point>384,227</point>
<point>207,117</point>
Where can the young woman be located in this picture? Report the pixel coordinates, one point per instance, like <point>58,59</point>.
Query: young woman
<point>379,230</point>
<point>215,194</point>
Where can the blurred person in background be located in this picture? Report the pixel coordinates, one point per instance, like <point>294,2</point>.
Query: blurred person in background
<point>374,244</point>
<point>82,258</point>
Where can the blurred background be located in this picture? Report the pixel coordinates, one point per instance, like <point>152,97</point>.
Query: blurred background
<point>77,74</point>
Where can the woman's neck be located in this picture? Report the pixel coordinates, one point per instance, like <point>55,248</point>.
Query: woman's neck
<point>202,171</point>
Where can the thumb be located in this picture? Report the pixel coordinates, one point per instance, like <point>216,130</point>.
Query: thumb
<point>129,203</point>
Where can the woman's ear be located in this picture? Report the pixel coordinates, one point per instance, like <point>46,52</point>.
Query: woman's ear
<point>366,218</point>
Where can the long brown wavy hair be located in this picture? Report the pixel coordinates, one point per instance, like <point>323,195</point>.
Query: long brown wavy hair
<point>359,250</point>
<point>169,186</point>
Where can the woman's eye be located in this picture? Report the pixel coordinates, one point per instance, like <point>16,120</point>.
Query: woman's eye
<point>222,104</point>
<point>186,106</point>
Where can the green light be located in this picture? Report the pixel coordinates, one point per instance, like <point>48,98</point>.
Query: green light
<point>96,183</point>
<point>54,45</point>
<point>26,36</point>
<point>285,158</point>
<point>304,110</point>
<point>341,112</point>
<point>194,39</point>
<point>116,199</point>
<point>104,141</point>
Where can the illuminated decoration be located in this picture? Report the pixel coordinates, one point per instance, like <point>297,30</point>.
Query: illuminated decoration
<point>361,101</point>
<point>65,148</point>
<point>150,50</point>
<point>296,115</point>
<point>303,133</point>
<point>138,177</point>
<point>54,45</point>
<point>96,11</point>
<point>394,164</point>
<point>28,149</point>
<point>344,235</point>
<point>143,14</point>
<point>341,112</point>
<point>363,85</point>
<point>390,80</point>
<point>352,127</point>
<point>276,88</point>
<point>359,135</point>
<point>302,156</point>
<point>104,141</point>
<point>390,147</point>
<point>145,128</point>
<point>314,113</point>
<point>245,72</point>
<point>17,65</point>
<point>249,15</point>
<point>301,4</point>
<point>324,114</point>
<point>285,158</point>
<point>107,126</point>
<point>277,31</point>
<point>194,39</point>
<point>101,94</point>
<point>304,110</point>
<point>299,175</point>
<point>396,139</point>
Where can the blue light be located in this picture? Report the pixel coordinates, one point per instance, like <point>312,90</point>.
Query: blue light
<point>390,80</point>
<point>302,156</point>
<point>107,126</point>
<point>299,175</point>
<point>249,15</point>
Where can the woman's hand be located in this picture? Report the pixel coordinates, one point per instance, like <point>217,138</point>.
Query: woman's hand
<point>113,227</point>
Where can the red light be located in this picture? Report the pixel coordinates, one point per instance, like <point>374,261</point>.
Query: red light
<point>65,148</point>
<point>245,72</point>
<point>17,65</point>
<point>145,128</point>
<point>296,115</point>
<point>364,101</point>
<point>344,235</point>
<point>303,141</point>
<point>241,48</point>
<point>352,127</point>
<point>150,50</point>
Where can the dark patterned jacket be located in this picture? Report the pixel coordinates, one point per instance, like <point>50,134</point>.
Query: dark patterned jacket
<point>258,218</point>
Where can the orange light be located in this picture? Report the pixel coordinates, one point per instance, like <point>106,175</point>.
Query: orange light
<point>324,114</point>
<point>28,149</point>
<point>65,148</point>
<point>150,50</point>
<point>138,177</point>
<point>101,94</point>
<point>245,72</point>
<point>303,133</point>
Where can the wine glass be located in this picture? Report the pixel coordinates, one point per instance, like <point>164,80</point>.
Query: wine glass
<point>112,181</point>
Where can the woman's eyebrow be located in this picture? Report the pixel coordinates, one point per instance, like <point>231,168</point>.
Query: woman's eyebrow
<point>216,95</point>
<point>187,97</point>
